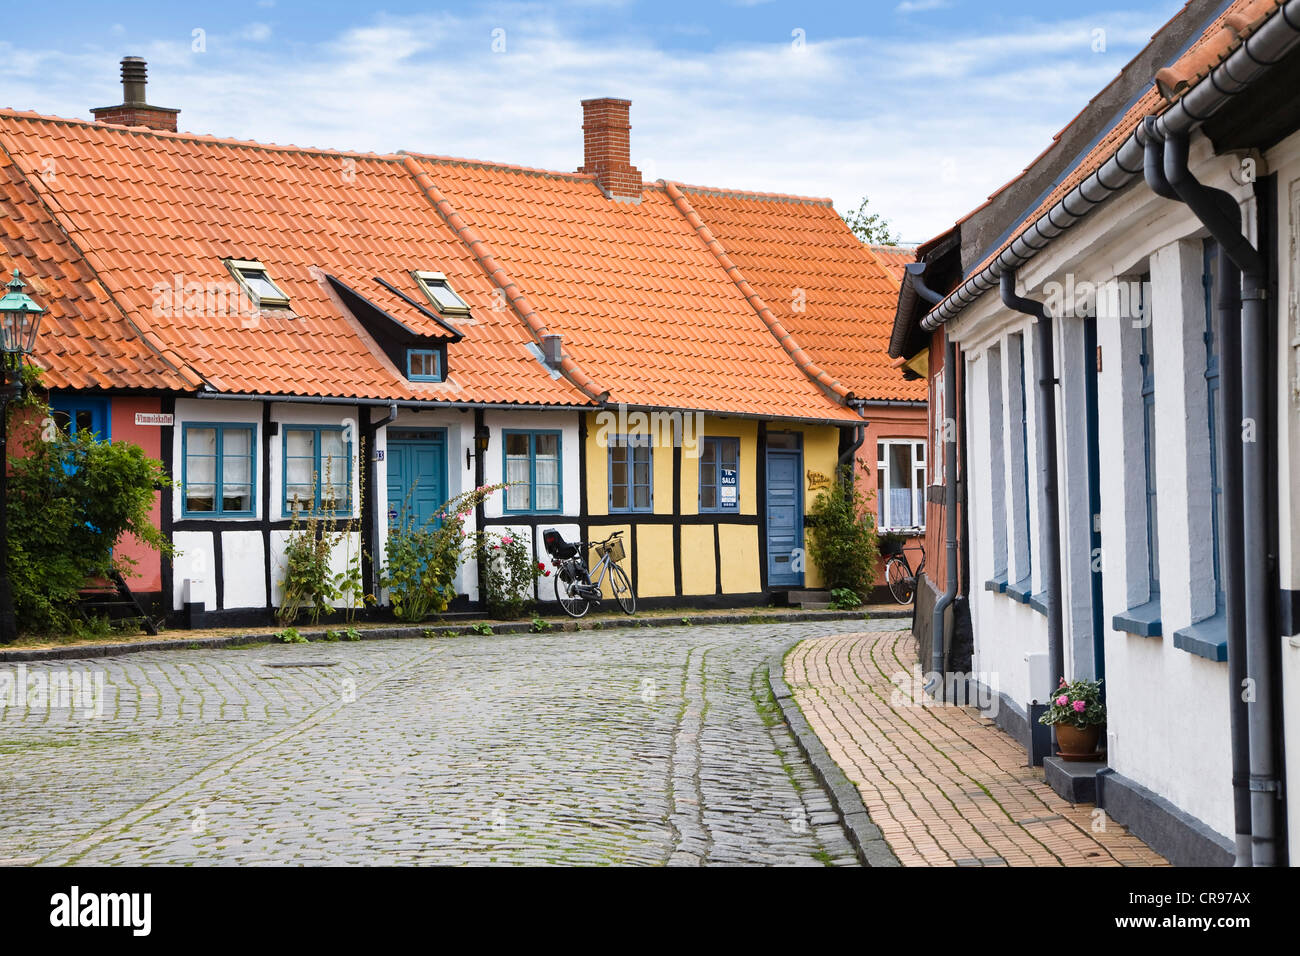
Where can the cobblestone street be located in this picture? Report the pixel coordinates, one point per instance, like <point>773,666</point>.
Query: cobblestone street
<point>646,746</point>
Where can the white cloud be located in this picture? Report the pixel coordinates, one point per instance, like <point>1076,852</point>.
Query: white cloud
<point>921,6</point>
<point>926,128</point>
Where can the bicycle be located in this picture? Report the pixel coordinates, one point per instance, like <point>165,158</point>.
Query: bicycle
<point>574,588</point>
<point>899,574</point>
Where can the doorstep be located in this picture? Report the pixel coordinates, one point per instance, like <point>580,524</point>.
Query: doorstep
<point>1075,780</point>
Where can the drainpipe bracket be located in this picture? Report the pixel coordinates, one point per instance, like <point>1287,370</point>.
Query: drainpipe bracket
<point>1265,785</point>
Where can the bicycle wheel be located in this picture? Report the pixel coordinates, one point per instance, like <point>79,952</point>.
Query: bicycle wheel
<point>622,588</point>
<point>574,604</point>
<point>901,584</point>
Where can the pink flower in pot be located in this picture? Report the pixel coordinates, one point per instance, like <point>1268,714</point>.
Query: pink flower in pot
<point>1080,707</point>
<point>1062,701</point>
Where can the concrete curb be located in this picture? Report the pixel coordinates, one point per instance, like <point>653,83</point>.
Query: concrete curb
<point>863,834</point>
<point>316,635</point>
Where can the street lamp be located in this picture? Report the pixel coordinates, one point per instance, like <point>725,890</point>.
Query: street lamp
<point>20,319</point>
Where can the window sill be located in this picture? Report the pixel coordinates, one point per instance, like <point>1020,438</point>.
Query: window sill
<point>996,585</point>
<point>1140,621</point>
<point>1020,591</point>
<point>1039,602</point>
<point>1207,638</point>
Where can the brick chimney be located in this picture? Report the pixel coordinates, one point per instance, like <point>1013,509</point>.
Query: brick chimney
<point>134,110</point>
<point>606,149</point>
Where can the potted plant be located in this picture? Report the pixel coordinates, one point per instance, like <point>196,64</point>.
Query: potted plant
<point>1077,713</point>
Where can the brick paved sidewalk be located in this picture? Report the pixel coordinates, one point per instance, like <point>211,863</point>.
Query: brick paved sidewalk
<point>946,787</point>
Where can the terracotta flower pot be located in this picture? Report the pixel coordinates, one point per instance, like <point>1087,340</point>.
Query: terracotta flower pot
<point>1077,743</point>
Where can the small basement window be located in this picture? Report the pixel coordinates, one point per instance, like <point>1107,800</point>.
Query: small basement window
<point>257,283</point>
<point>424,365</point>
<point>440,293</point>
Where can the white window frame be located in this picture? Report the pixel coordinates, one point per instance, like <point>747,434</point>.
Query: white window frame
<point>427,280</point>
<point>240,269</point>
<point>918,484</point>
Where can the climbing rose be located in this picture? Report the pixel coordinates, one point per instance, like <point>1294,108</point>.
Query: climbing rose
<point>507,540</point>
<point>1062,701</point>
<point>1079,706</point>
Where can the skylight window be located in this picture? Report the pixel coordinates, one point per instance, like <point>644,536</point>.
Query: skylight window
<point>257,283</point>
<point>440,293</point>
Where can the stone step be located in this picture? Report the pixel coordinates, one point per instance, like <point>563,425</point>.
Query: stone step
<point>815,605</point>
<point>799,597</point>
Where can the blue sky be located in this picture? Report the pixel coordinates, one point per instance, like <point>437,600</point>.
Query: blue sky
<point>925,106</point>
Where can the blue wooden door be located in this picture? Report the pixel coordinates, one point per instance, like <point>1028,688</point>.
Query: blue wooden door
<point>785,518</point>
<point>417,475</point>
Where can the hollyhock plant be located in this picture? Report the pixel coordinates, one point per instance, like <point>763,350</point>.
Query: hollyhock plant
<point>1077,703</point>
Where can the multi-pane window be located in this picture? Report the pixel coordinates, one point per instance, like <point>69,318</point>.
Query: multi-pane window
<point>532,471</point>
<point>1215,416</point>
<point>900,483</point>
<point>317,469</point>
<point>423,365</point>
<point>631,481</point>
<point>720,474</point>
<point>1017,423</point>
<point>997,462</point>
<point>218,470</point>
<point>1146,358</point>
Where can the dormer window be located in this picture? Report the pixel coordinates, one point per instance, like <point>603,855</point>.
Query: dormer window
<point>424,365</point>
<point>440,293</point>
<point>253,277</point>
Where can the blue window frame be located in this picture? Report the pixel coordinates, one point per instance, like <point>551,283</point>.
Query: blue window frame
<point>218,470</point>
<point>531,465</point>
<point>1147,359</point>
<point>317,469</point>
<point>77,413</point>
<point>631,473</point>
<point>1215,416</point>
<point>720,474</point>
<point>1019,339</point>
<point>424,365</point>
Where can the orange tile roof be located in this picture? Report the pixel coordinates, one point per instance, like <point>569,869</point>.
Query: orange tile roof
<point>653,309</point>
<point>894,258</point>
<point>1223,35</point>
<point>845,313</point>
<point>85,341</point>
<point>643,305</point>
<point>145,207</point>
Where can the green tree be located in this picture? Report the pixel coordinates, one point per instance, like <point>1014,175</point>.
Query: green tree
<point>871,227</point>
<point>71,499</point>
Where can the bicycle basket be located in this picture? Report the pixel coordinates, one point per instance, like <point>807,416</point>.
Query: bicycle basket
<point>890,544</point>
<point>614,549</point>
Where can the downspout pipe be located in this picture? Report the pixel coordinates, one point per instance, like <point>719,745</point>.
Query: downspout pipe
<point>915,272</point>
<point>1211,207</point>
<point>1228,306</point>
<point>1047,470</point>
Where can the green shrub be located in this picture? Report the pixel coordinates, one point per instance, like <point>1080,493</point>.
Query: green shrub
<point>540,625</point>
<point>290,635</point>
<point>71,499</point>
<point>309,581</point>
<point>509,572</point>
<point>482,627</point>
<point>842,535</point>
<point>421,560</point>
<point>845,599</point>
